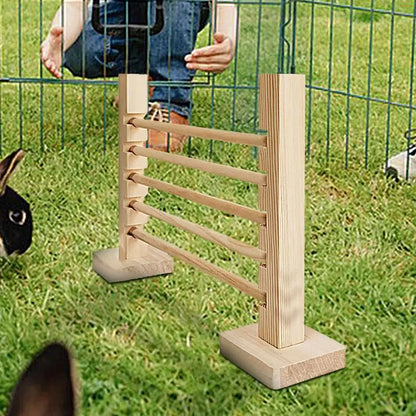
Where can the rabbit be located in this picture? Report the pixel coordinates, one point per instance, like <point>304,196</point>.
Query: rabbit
<point>47,387</point>
<point>15,216</point>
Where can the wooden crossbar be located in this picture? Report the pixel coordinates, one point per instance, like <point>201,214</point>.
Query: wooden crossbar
<point>202,132</point>
<point>210,235</point>
<point>279,351</point>
<point>210,167</point>
<point>207,267</point>
<point>228,207</point>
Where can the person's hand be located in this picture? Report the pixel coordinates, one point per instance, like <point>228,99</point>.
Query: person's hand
<point>50,51</point>
<point>214,58</point>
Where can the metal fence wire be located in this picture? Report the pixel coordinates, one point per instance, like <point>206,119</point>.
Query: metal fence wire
<point>358,57</point>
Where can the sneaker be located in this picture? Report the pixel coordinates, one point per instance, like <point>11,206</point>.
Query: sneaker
<point>159,140</point>
<point>397,165</point>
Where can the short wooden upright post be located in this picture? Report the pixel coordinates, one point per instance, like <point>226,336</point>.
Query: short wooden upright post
<point>280,350</point>
<point>133,258</point>
<point>282,115</point>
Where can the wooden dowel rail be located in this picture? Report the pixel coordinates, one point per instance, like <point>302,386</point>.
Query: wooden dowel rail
<point>202,132</point>
<point>206,233</point>
<point>228,207</point>
<point>279,351</point>
<point>230,278</point>
<point>210,167</point>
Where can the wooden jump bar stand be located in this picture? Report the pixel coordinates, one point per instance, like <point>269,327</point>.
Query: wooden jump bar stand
<point>133,259</point>
<point>279,351</point>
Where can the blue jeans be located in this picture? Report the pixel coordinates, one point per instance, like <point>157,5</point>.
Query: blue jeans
<point>167,49</point>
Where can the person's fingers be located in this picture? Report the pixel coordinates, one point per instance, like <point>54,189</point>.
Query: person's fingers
<point>224,47</point>
<point>210,50</point>
<point>48,63</point>
<point>50,52</point>
<point>51,67</point>
<point>215,68</point>
<point>205,51</point>
<point>44,47</point>
<point>214,56</point>
<point>45,52</point>
<point>55,71</point>
<point>216,59</point>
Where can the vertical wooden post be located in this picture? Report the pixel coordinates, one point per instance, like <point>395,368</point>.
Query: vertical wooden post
<point>132,103</point>
<point>132,259</point>
<point>280,351</point>
<point>282,114</point>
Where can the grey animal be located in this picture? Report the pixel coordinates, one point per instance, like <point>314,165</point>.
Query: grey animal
<point>15,217</point>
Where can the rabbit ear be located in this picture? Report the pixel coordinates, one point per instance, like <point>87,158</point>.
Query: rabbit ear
<point>46,387</point>
<point>7,166</point>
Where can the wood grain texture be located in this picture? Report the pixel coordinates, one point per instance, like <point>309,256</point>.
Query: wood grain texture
<point>207,267</point>
<point>107,264</point>
<point>206,233</point>
<point>282,109</point>
<point>132,103</point>
<point>228,207</point>
<point>280,368</point>
<point>210,167</point>
<point>202,132</point>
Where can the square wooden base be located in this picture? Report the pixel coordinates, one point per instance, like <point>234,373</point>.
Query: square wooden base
<point>279,368</point>
<point>107,264</point>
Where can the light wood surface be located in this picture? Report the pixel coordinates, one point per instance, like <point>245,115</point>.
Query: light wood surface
<point>228,207</point>
<point>132,103</point>
<point>210,167</point>
<point>282,109</point>
<point>210,235</point>
<point>107,264</point>
<point>225,20</point>
<point>207,267</point>
<point>280,368</point>
<point>202,132</point>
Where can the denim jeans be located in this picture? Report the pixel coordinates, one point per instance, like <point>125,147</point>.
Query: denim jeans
<point>167,49</point>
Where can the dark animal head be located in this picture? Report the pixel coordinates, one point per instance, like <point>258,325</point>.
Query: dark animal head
<point>46,387</point>
<point>15,216</point>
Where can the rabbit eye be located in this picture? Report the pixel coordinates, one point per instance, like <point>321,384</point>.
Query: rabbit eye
<point>18,217</point>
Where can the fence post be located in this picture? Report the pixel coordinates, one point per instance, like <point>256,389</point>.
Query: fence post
<point>280,351</point>
<point>282,114</point>
<point>133,259</point>
<point>132,103</point>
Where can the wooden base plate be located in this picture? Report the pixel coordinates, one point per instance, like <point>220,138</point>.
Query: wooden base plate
<point>107,264</point>
<point>279,368</point>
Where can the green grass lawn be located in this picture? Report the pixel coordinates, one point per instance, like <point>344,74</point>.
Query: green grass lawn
<point>151,347</point>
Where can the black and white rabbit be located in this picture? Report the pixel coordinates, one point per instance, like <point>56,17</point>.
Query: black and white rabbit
<point>15,216</point>
<point>46,388</point>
